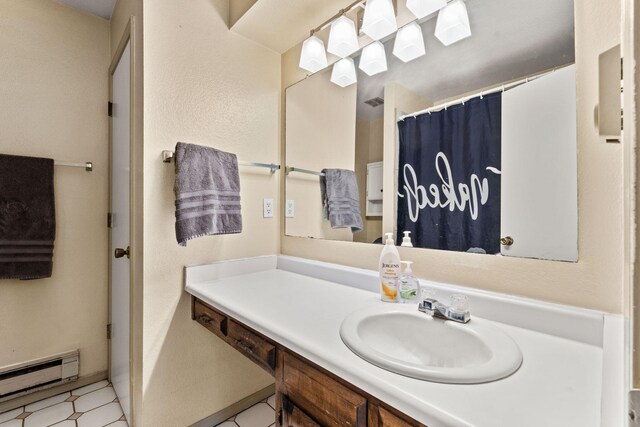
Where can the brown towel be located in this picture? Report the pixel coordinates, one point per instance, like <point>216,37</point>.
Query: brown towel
<point>207,192</point>
<point>27,217</point>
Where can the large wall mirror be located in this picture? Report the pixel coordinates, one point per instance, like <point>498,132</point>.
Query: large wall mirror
<point>470,147</point>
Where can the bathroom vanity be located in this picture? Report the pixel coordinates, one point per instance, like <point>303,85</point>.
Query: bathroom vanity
<point>285,313</point>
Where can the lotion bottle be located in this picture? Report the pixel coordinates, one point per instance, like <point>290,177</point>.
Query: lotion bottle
<point>389,268</point>
<point>408,285</point>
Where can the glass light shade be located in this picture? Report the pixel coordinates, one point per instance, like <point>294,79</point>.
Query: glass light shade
<point>343,40</point>
<point>373,59</point>
<point>453,23</point>
<point>409,42</point>
<point>344,72</point>
<point>313,57</point>
<point>422,8</point>
<point>379,19</point>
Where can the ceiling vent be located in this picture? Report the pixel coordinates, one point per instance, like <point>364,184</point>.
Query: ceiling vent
<point>375,102</point>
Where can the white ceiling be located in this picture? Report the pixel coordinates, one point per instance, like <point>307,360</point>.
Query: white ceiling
<point>101,8</point>
<point>281,24</point>
<point>510,39</point>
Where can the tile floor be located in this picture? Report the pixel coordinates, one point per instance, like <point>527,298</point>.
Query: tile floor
<point>261,414</point>
<point>95,405</point>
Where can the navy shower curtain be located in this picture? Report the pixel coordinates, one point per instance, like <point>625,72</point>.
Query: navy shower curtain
<point>449,177</point>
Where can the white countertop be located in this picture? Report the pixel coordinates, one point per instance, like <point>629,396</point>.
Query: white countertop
<point>558,384</point>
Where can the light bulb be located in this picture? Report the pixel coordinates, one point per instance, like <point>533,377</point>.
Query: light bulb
<point>373,59</point>
<point>453,23</point>
<point>379,19</point>
<point>422,8</point>
<point>313,57</point>
<point>409,42</point>
<point>344,72</point>
<point>343,40</point>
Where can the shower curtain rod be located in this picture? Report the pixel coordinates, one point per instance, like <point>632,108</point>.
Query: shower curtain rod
<point>88,166</point>
<point>168,155</point>
<point>464,99</point>
<point>289,169</point>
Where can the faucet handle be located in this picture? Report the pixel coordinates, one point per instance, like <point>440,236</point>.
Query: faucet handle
<point>428,305</point>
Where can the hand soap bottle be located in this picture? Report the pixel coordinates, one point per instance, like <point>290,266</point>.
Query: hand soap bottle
<point>406,240</point>
<point>389,267</point>
<point>408,285</point>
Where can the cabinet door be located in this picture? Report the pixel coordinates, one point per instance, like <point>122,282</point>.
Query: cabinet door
<point>374,189</point>
<point>293,416</point>
<point>321,398</point>
<point>539,189</point>
<point>374,181</point>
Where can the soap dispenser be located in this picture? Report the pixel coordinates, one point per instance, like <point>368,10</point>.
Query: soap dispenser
<point>406,240</point>
<point>389,269</point>
<point>408,285</point>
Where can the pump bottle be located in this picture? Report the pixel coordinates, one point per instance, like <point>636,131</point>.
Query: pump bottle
<point>389,268</point>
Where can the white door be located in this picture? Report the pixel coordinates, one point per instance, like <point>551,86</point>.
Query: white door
<point>539,200</point>
<point>119,303</point>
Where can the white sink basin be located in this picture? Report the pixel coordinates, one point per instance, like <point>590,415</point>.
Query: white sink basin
<point>403,340</point>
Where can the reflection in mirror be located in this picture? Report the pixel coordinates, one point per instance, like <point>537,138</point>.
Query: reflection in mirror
<point>440,148</point>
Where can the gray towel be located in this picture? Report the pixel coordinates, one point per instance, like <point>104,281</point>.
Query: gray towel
<point>340,199</point>
<point>207,192</point>
<point>27,217</point>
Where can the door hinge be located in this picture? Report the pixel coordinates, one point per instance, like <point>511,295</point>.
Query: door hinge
<point>109,331</point>
<point>110,109</point>
<point>109,216</point>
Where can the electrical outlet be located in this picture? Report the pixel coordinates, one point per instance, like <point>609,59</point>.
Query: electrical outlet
<point>289,209</point>
<point>267,208</point>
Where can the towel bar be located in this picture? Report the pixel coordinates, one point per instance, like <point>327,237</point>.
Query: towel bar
<point>88,166</point>
<point>168,155</point>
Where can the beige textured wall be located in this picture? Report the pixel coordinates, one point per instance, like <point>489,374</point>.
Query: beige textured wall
<point>315,145</point>
<point>595,281</point>
<point>53,96</point>
<point>206,85</point>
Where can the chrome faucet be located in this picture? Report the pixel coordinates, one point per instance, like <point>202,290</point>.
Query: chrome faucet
<point>458,311</point>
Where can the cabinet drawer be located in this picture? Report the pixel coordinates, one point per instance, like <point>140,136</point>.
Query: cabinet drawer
<point>381,417</point>
<point>210,319</point>
<point>323,399</point>
<point>253,346</point>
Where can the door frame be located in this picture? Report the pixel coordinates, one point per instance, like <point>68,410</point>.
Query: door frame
<point>135,230</point>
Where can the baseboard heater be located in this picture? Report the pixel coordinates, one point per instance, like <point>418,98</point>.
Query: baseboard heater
<point>29,377</point>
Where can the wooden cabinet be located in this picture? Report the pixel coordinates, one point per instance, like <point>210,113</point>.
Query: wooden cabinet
<point>306,394</point>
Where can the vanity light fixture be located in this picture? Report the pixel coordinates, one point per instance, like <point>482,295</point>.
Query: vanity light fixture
<point>453,23</point>
<point>373,59</point>
<point>379,19</point>
<point>343,40</point>
<point>344,72</point>
<point>313,57</point>
<point>422,8</point>
<point>409,42</point>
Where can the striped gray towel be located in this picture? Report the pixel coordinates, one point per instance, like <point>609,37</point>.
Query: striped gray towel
<point>27,217</point>
<point>340,199</point>
<point>207,192</point>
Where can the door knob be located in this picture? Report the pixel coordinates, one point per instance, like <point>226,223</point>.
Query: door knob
<point>119,252</point>
<point>506,241</point>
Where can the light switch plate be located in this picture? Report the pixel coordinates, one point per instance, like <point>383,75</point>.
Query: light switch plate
<point>289,209</point>
<point>267,208</point>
